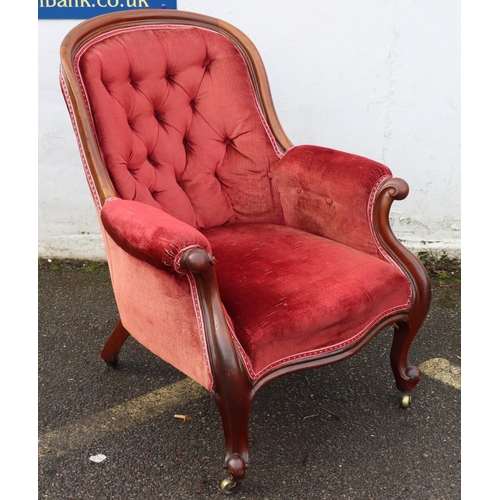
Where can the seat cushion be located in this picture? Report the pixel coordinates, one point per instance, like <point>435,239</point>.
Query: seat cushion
<point>291,294</point>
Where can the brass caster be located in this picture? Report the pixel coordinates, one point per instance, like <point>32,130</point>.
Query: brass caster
<point>228,485</point>
<point>405,400</point>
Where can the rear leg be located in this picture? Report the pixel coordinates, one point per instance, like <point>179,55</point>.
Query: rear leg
<point>112,347</point>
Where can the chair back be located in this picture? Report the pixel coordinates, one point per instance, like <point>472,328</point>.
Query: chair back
<point>178,121</point>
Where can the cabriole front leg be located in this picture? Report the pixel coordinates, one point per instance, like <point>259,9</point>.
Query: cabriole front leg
<point>407,376</point>
<point>232,389</point>
<point>234,410</point>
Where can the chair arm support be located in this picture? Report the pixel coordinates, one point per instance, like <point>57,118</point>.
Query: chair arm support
<point>150,234</point>
<point>330,193</point>
<point>232,390</point>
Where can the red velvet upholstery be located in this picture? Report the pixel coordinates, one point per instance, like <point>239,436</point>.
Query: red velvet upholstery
<point>180,129</point>
<point>330,193</point>
<point>185,135</point>
<point>291,294</point>
<point>149,234</point>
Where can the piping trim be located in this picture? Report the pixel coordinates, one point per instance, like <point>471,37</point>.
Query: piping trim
<point>201,326</point>
<point>315,352</point>
<point>88,175</point>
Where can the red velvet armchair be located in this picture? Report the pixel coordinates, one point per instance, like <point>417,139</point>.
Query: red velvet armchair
<point>234,256</point>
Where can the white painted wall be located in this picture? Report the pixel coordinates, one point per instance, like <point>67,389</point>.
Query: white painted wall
<point>380,79</point>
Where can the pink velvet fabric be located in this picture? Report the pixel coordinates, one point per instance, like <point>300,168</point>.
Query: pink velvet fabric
<point>178,124</point>
<point>157,309</point>
<point>292,294</point>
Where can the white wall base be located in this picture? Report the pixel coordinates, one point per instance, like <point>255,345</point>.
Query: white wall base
<point>74,247</point>
<point>90,247</point>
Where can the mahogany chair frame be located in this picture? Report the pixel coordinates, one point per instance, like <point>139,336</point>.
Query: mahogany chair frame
<point>233,389</point>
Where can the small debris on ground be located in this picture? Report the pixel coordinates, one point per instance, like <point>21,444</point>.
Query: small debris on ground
<point>182,417</point>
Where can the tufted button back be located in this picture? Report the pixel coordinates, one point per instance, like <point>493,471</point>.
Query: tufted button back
<point>179,126</point>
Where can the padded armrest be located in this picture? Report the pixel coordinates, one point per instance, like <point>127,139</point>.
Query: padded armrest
<point>149,233</point>
<point>330,193</point>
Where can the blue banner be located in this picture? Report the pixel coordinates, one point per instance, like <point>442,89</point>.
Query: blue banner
<point>85,9</point>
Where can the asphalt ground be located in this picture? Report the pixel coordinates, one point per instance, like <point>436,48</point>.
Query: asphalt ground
<point>336,432</point>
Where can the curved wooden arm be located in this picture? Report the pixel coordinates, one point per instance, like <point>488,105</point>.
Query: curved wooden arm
<point>232,389</point>
<point>224,356</point>
<point>406,376</point>
<point>390,190</point>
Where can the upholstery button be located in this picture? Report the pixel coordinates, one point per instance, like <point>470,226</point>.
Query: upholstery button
<point>298,189</point>
<point>329,201</point>
<point>270,175</point>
